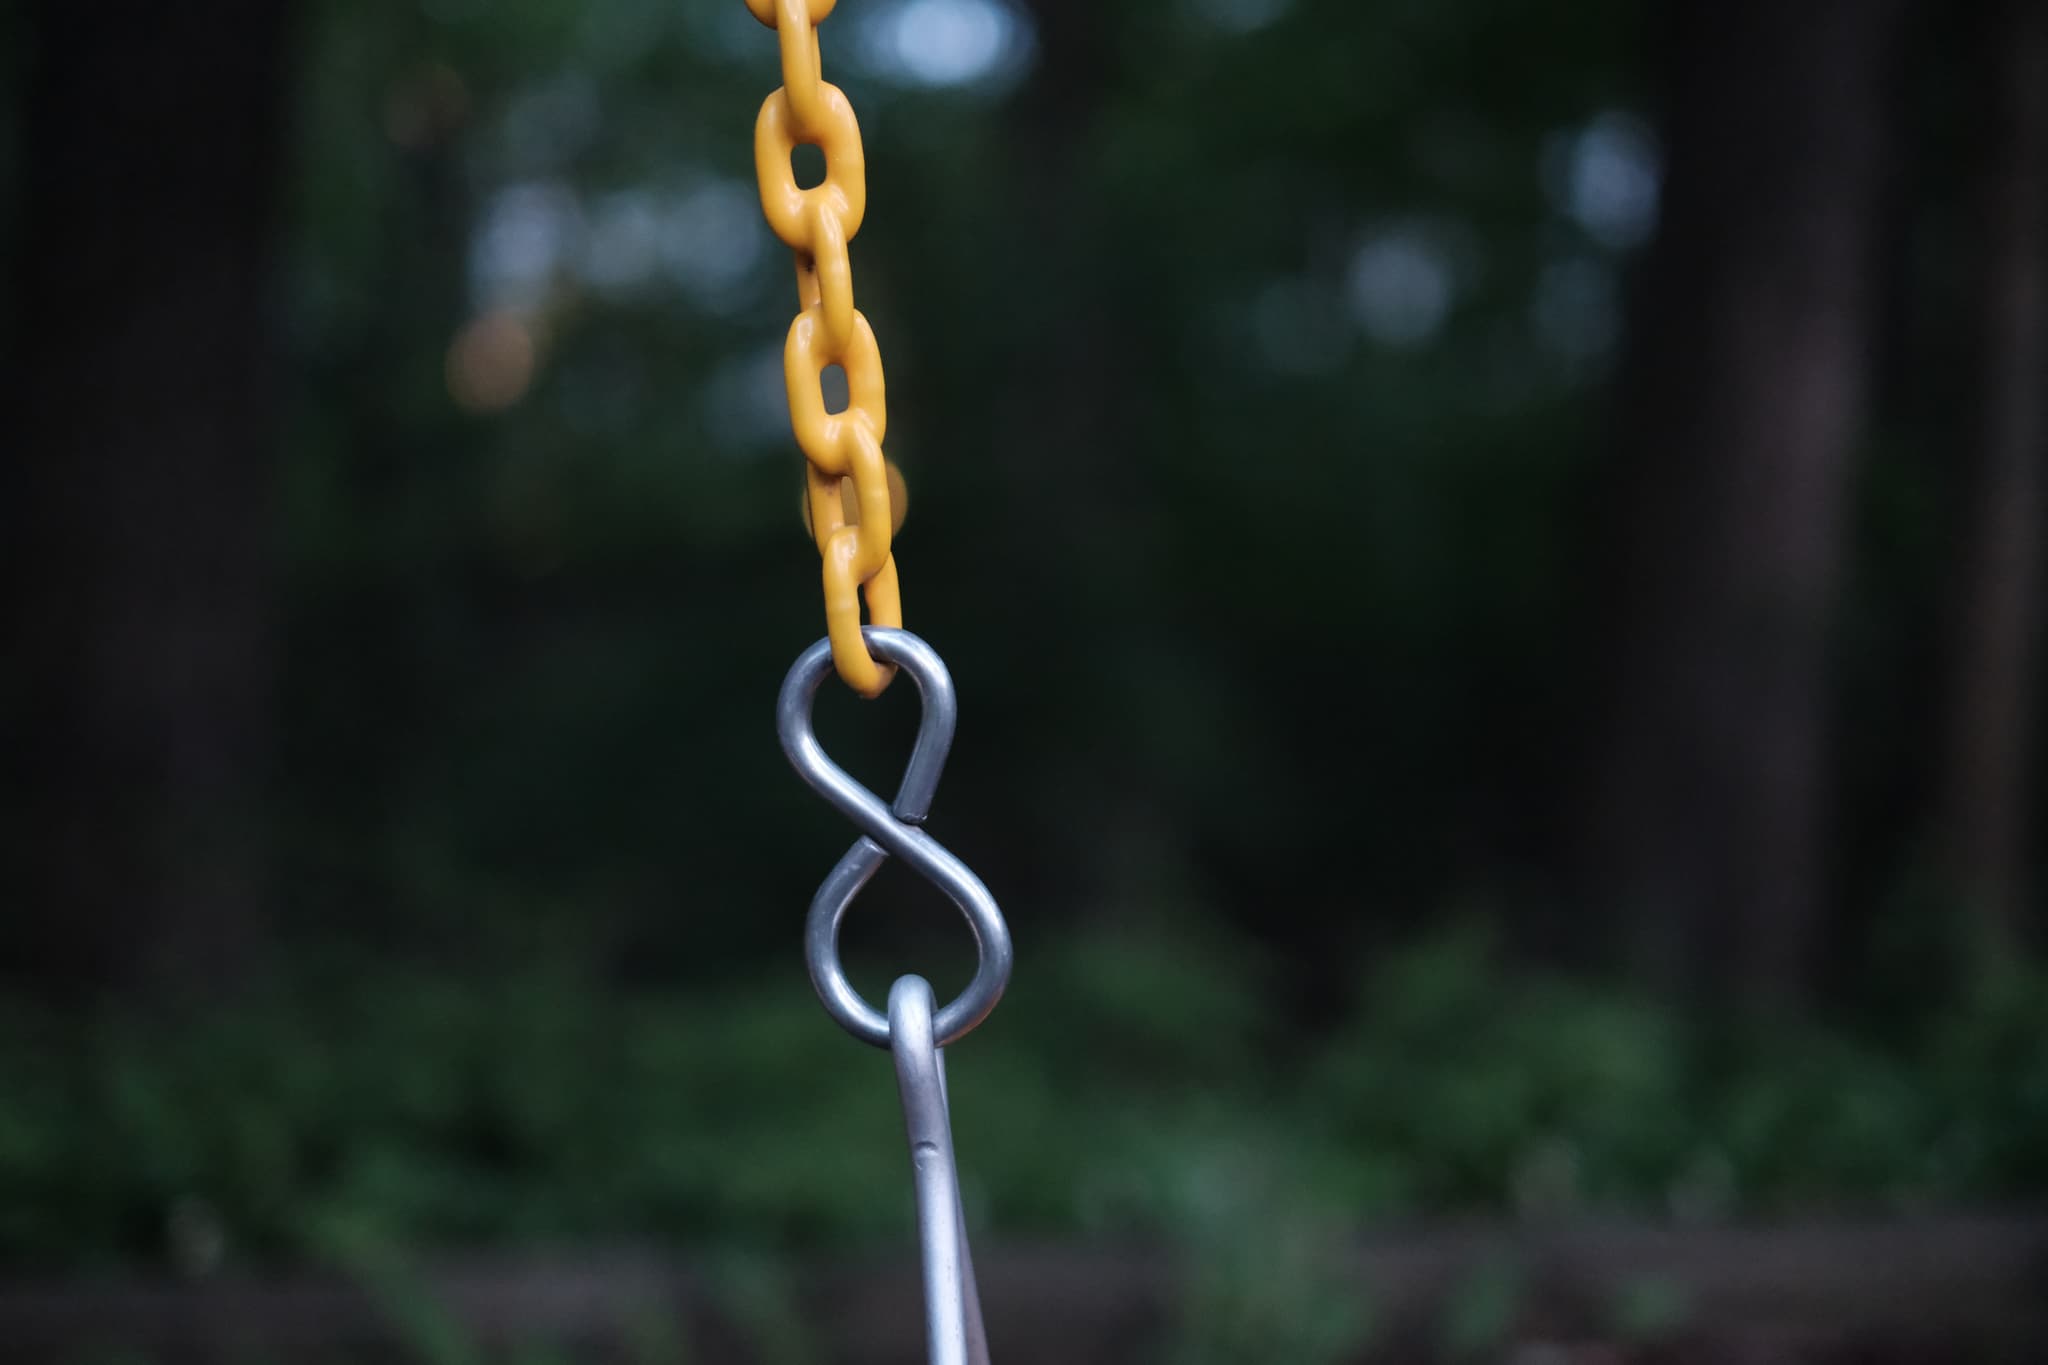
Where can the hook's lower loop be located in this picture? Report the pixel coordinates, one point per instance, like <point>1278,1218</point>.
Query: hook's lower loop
<point>889,831</point>
<point>954,1334</point>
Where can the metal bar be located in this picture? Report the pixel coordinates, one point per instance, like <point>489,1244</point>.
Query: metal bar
<point>954,1334</point>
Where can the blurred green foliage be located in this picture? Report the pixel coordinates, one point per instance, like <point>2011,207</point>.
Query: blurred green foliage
<point>1142,1095</point>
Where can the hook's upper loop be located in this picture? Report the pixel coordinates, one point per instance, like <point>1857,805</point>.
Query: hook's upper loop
<point>888,831</point>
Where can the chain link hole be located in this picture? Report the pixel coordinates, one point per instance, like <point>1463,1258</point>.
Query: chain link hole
<point>807,164</point>
<point>832,384</point>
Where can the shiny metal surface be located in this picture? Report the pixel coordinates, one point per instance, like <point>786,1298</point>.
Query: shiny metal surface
<point>889,830</point>
<point>954,1334</point>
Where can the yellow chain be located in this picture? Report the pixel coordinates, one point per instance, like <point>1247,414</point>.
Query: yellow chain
<point>817,223</point>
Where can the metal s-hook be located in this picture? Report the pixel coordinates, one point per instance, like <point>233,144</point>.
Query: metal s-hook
<point>889,830</point>
<point>954,1334</point>
<point>912,1030</point>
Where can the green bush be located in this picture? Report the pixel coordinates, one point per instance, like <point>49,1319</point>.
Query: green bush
<point>1133,1090</point>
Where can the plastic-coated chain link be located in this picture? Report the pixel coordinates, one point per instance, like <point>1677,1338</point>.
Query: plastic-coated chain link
<point>817,223</point>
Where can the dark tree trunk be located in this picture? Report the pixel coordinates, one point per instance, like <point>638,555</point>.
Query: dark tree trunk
<point>1740,407</point>
<point>138,501</point>
<point>1997,605</point>
<point>1061,288</point>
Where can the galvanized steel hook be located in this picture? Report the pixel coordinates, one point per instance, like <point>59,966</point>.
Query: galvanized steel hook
<point>954,1334</point>
<point>889,830</point>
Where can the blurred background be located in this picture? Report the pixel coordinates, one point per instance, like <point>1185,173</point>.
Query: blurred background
<point>1489,552</point>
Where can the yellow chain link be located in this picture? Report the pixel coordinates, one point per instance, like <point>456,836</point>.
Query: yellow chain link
<point>841,447</point>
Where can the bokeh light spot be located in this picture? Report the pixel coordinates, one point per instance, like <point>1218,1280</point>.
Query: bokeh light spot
<point>712,238</point>
<point>491,362</point>
<point>1400,287</point>
<point>946,43</point>
<point>1607,177</point>
<point>529,233</point>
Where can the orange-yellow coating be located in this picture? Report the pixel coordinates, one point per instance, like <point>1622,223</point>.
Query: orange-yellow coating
<point>852,493</point>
